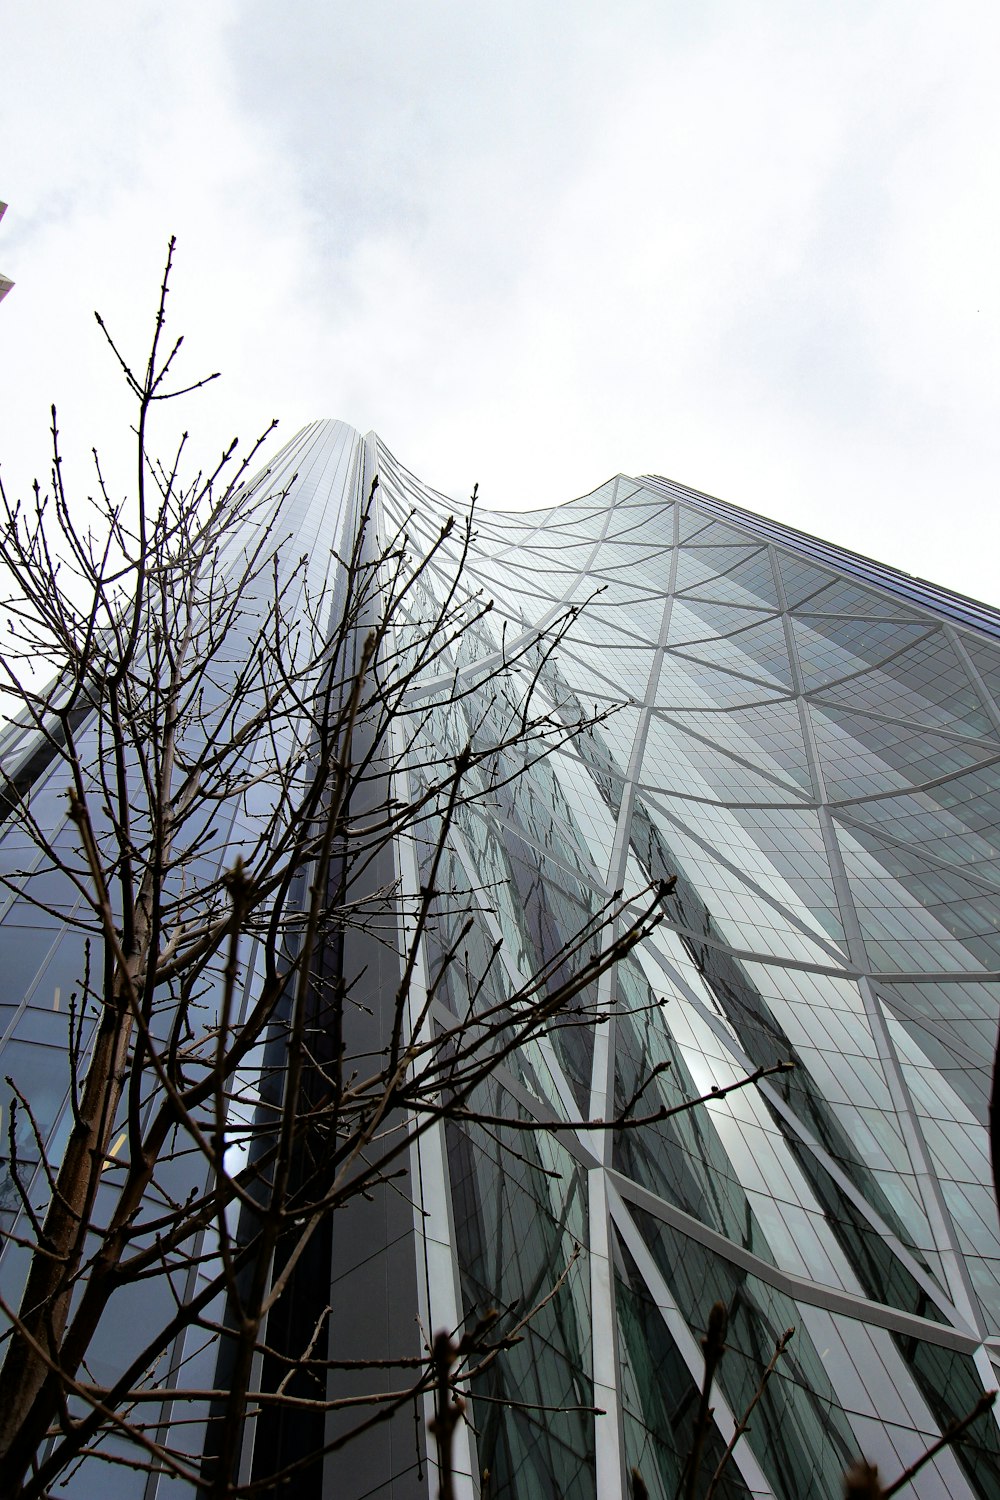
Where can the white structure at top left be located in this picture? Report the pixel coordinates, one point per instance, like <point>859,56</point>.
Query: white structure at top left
<point>5,281</point>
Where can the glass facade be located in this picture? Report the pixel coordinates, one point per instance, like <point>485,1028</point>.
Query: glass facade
<point>809,743</point>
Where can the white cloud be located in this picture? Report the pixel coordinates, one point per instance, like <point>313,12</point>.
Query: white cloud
<point>750,247</point>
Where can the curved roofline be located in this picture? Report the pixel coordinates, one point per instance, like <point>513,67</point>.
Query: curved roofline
<point>961,608</point>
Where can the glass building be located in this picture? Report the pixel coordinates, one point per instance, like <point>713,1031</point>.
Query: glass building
<point>809,742</point>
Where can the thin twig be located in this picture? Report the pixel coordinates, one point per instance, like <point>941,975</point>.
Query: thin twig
<point>714,1346</point>
<point>950,1435</point>
<point>743,1424</point>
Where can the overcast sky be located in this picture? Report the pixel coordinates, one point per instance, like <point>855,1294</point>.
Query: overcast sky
<point>752,246</point>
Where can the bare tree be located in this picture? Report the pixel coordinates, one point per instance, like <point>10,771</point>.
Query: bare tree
<point>241,752</point>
